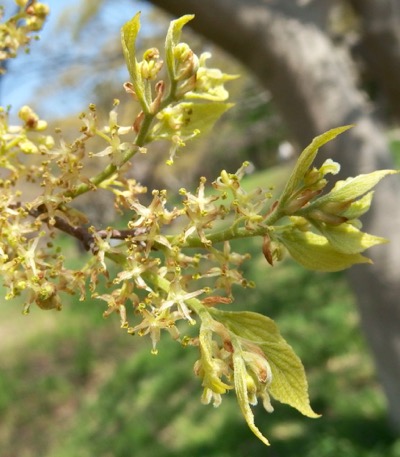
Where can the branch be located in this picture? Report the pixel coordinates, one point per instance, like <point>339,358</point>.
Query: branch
<point>86,234</point>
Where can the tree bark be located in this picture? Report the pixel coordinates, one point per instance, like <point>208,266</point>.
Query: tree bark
<point>380,46</point>
<point>313,86</point>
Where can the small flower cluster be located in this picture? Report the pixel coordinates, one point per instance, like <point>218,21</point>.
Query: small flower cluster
<point>16,31</point>
<point>143,253</point>
<point>30,263</point>
<point>248,206</point>
<point>158,277</point>
<point>39,179</point>
<point>245,352</point>
<point>217,363</point>
<point>188,103</point>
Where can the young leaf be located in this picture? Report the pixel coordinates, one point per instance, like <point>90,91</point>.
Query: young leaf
<point>172,39</point>
<point>240,375</point>
<point>289,383</point>
<point>306,159</point>
<point>352,188</point>
<point>359,207</point>
<point>211,381</point>
<point>348,239</point>
<point>315,253</point>
<point>129,33</point>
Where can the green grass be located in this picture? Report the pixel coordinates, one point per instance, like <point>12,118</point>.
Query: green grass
<point>74,385</point>
<point>81,387</point>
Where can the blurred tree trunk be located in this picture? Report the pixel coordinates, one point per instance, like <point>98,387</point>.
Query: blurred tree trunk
<point>314,87</point>
<point>380,45</point>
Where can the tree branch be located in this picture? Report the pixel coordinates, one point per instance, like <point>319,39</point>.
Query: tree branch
<point>85,234</point>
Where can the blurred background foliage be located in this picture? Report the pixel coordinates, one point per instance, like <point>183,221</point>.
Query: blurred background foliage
<point>74,384</point>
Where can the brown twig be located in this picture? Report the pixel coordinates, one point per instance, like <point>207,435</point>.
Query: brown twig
<point>85,234</point>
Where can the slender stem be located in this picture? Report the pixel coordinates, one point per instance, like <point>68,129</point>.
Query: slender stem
<point>103,135</point>
<point>234,232</point>
<point>275,215</point>
<point>231,233</point>
<point>113,168</point>
<point>139,142</point>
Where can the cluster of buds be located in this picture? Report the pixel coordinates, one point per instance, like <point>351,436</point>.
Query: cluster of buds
<point>248,206</point>
<point>324,230</point>
<point>186,104</point>
<point>217,369</point>
<point>245,352</point>
<point>27,138</point>
<point>16,31</point>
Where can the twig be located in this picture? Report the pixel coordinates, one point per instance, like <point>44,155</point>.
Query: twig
<point>85,234</point>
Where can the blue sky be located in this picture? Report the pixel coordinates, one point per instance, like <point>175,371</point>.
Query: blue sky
<point>18,89</point>
<point>28,73</point>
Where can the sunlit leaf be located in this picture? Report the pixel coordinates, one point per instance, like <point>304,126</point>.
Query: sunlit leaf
<point>353,188</point>
<point>315,253</point>
<point>129,33</point>
<point>348,239</point>
<point>306,159</point>
<point>289,384</point>
<point>359,207</point>
<point>240,371</point>
<point>172,39</point>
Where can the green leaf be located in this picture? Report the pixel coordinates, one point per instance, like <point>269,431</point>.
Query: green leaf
<point>352,188</point>
<point>210,381</point>
<point>186,118</point>
<point>315,253</point>
<point>240,371</point>
<point>172,39</point>
<point>289,383</point>
<point>129,33</point>
<point>359,207</point>
<point>306,159</point>
<point>348,239</point>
